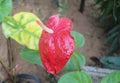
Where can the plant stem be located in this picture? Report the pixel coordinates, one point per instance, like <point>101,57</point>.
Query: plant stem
<point>52,78</point>
<point>77,62</point>
<point>10,53</point>
<point>7,73</point>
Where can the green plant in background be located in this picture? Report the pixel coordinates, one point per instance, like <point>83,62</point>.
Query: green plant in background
<point>114,38</point>
<point>5,8</point>
<point>113,77</point>
<point>63,5</point>
<point>109,8</point>
<point>55,2</point>
<point>110,18</point>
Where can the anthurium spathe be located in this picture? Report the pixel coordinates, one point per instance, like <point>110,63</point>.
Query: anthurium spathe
<point>56,44</point>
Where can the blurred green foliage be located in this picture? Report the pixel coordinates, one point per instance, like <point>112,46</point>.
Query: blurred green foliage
<point>110,18</point>
<point>5,8</point>
<point>61,4</point>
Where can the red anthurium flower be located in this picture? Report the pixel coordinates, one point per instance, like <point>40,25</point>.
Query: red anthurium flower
<point>56,44</point>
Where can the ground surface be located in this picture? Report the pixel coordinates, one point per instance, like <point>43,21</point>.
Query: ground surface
<point>83,23</point>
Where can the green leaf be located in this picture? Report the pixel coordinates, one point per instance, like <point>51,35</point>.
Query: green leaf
<point>114,45</point>
<point>115,10</point>
<point>98,1</point>
<point>119,40</point>
<point>76,61</point>
<point>31,56</point>
<point>75,77</point>
<point>5,8</point>
<point>112,62</point>
<point>113,77</point>
<point>115,29</point>
<point>78,38</point>
<point>103,5</point>
<point>108,9</point>
<point>23,28</point>
<point>111,37</point>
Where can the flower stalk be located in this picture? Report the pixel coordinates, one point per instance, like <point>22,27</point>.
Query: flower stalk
<point>44,27</point>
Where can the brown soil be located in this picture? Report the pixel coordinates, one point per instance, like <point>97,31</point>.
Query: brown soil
<point>83,23</point>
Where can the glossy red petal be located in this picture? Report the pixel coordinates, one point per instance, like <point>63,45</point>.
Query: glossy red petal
<point>64,24</point>
<point>53,22</point>
<point>55,50</point>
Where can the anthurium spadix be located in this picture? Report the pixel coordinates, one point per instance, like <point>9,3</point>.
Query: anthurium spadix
<point>56,44</point>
